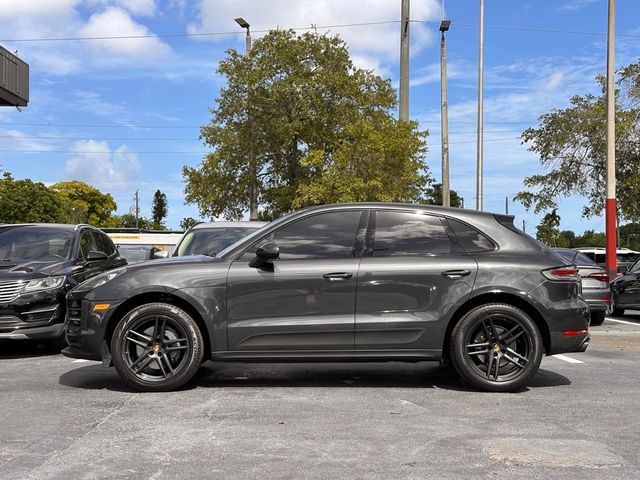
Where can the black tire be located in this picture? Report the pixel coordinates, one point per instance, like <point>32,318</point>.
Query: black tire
<point>499,332</point>
<point>617,312</point>
<point>157,347</point>
<point>597,318</point>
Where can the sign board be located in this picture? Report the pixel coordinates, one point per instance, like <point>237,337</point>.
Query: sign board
<point>14,80</point>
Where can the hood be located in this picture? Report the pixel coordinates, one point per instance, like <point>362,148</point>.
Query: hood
<point>170,261</point>
<point>30,269</point>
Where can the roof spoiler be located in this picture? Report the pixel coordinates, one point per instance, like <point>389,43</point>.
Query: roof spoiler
<point>507,222</point>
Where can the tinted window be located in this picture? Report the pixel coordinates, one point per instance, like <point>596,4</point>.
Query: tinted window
<point>104,243</point>
<point>567,255</point>
<point>403,233</point>
<point>87,243</point>
<point>470,239</point>
<point>627,257</point>
<point>582,259</point>
<point>327,235</point>
<point>635,268</point>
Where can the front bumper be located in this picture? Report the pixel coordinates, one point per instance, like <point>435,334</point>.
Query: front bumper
<point>32,318</point>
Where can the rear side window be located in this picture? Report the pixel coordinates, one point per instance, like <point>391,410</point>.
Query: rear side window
<point>471,239</point>
<point>582,259</point>
<point>405,233</point>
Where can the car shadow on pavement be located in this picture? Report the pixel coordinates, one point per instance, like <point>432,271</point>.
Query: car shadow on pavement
<point>26,348</point>
<point>298,375</point>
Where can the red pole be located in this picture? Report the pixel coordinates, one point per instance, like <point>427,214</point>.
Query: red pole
<point>610,207</point>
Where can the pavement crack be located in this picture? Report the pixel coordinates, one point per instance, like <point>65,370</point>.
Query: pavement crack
<point>106,418</point>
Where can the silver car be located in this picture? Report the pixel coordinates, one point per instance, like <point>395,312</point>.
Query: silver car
<point>595,283</point>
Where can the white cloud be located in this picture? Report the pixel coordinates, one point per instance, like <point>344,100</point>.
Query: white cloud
<point>370,45</point>
<point>96,163</point>
<point>116,22</point>
<point>573,5</point>
<point>22,142</point>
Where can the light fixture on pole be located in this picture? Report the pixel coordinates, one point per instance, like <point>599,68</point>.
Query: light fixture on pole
<point>444,118</point>
<point>253,187</point>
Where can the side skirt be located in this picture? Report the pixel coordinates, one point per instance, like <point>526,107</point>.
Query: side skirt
<point>328,356</point>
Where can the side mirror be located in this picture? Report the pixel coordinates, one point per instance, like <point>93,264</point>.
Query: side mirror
<point>160,254</point>
<point>264,254</point>
<point>96,256</point>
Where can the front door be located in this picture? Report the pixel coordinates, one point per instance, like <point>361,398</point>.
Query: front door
<point>410,278</point>
<point>304,300</point>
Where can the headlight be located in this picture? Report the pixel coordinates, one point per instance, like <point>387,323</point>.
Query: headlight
<point>100,279</point>
<point>48,283</point>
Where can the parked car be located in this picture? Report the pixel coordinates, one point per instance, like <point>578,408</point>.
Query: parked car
<point>141,253</point>
<point>39,264</point>
<point>368,281</point>
<point>595,283</point>
<point>625,290</point>
<point>138,245</point>
<point>211,238</point>
<point>624,256</point>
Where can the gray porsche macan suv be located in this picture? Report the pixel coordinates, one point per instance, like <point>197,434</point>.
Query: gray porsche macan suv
<point>364,281</point>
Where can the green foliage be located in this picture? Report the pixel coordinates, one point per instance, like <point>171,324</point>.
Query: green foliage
<point>548,231</point>
<point>24,201</point>
<point>571,144</point>
<point>187,223</point>
<point>84,204</point>
<point>434,196</point>
<point>159,210</point>
<point>299,114</point>
<point>129,221</point>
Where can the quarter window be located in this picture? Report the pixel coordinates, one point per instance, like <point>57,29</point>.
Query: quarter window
<point>404,233</point>
<point>470,239</point>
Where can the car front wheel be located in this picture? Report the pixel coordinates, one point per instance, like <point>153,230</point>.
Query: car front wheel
<point>496,347</point>
<point>157,347</point>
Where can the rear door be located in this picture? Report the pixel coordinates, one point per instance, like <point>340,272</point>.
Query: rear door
<point>412,274</point>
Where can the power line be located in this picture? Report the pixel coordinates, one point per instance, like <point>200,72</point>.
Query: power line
<point>95,125</point>
<point>315,27</point>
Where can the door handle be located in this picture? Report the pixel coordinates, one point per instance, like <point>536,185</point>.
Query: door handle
<point>455,273</point>
<point>337,277</point>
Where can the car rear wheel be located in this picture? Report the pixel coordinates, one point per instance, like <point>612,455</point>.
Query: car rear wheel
<point>617,312</point>
<point>597,318</point>
<point>157,347</point>
<point>496,347</point>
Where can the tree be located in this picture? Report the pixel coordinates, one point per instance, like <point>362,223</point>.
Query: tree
<point>128,220</point>
<point>571,144</point>
<point>159,209</point>
<point>548,231</point>
<point>24,201</point>
<point>84,203</point>
<point>187,222</point>
<point>298,113</point>
<point>434,196</point>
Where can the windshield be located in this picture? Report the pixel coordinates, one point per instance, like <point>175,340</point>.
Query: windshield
<point>635,268</point>
<point>35,243</point>
<point>210,241</point>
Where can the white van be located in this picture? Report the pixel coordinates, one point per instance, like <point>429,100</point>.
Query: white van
<point>140,245</point>
<point>624,256</point>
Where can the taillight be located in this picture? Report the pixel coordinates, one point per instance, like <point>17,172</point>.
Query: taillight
<point>562,274</point>
<point>600,276</point>
<point>575,333</point>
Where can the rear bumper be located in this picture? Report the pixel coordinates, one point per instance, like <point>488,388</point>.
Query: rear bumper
<point>565,344</point>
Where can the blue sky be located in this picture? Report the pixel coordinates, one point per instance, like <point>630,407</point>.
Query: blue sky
<point>124,114</point>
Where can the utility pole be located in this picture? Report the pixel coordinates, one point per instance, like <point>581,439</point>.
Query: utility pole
<point>253,186</point>
<point>480,166</point>
<point>444,116</point>
<point>506,205</point>
<point>404,62</point>
<point>524,226</point>
<point>137,208</point>
<point>610,207</point>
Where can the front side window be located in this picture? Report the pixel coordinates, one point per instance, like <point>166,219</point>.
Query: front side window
<point>405,233</point>
<point>87,243</point>
<point>323,236</point>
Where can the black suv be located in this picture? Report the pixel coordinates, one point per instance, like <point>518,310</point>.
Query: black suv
<point>39,264</point>
<point>345,282</point>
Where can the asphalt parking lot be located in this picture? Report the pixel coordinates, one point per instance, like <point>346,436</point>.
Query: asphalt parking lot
<point>71,419</point>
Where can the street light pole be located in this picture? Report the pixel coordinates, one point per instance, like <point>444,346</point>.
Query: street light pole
<point>444,118</point>
<point>253,186</point>
<point>480,161</point>
<point>404,63</point>
<point>610,207</point>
